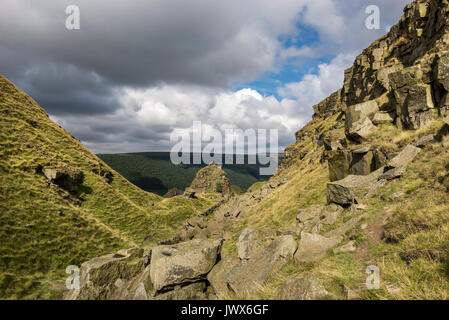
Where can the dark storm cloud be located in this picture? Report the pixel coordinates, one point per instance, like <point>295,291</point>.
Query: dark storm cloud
<point>141,43</point>
<point>65,89</point>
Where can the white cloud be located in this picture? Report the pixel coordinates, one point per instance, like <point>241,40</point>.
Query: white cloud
<point>315,87</point>
<point>149,116</point>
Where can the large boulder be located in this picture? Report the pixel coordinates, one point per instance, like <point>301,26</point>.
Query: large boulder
<point>137,288</point>
<point>358,124</point>
<point>309,216</point>
<point>414,102</point>
<point>313,247</point>
<point>361,161</point>
<point>246,277</point>
<point>217,276</point>
<point>249,243</point>
<point>99,275</point>
<point>182,263</point>
<point>353,188</point>
<point>397,166</point>
<point>304,288</point>
<point>311,219</point>
<point>338,164</point>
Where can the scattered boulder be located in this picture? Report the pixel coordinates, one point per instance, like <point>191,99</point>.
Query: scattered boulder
<point>217,276</point>
<point>393,289</point>
<point>304,288</point>
<point>66,178</point>
<point>189,193</point>
<point>313,247</point>
<point>352,188</point>
<point>247,276</point>
<point>138,288</point>
<point>397,166</point>
<point>358,124</point>
<point>312,218</point>
<point>348,225</point>
<point>98,276</point>
<point>249,243</point>
<point>103,172</point>
<point>349,247</point>
<point>182,263</point>
<point>361,161</point>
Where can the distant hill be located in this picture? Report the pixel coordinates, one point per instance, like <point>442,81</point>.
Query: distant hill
<point>154,172</point>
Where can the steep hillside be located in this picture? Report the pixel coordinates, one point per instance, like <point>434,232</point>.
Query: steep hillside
<point>364,188</point>
<point>84,210</point>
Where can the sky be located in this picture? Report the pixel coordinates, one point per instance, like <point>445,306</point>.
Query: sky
<point>137,70</point>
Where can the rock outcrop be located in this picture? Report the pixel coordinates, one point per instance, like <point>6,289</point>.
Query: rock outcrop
<point>183,263</point>
<point>66,178</point>
<point>168,272</point>
<point>210,179</point>
<point>99,275</point>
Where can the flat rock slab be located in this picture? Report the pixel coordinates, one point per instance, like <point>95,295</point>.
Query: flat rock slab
<point>313,247</point>
<point>404,157</point>
<point>183,263</point>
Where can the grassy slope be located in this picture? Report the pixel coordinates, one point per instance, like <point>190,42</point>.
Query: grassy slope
<point>154,172</point>
<point>42,228</point>
<point>413,210</point>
